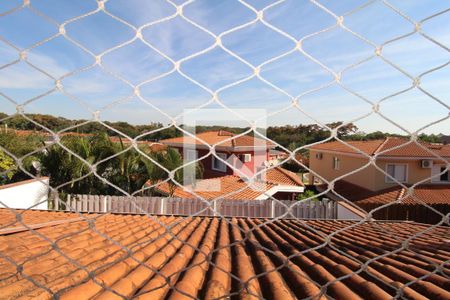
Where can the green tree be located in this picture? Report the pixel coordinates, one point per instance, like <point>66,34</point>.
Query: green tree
<point>127,169</point>
<point>26,148</point>
<point>307,194</point>
<point>63,166</point>
<point>7,168</point>
<point>171,160</point>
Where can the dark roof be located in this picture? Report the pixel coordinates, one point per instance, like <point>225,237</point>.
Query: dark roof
<point>296,261</point>
<point>348,190</point>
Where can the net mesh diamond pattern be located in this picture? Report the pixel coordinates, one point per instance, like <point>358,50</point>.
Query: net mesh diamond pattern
<point>190,257</point>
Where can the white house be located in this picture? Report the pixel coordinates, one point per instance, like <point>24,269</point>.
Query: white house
<point>25,194</point>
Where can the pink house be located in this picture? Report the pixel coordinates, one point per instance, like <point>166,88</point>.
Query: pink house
<point>246,154</point>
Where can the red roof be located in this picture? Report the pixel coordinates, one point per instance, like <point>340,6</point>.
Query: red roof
<point>406,148</point>
<point>279,175</point>
<point>229,187</point>
<point>233,187</point>
<point>221,139</point>
<point>427,193</point>
<point>133,256</point>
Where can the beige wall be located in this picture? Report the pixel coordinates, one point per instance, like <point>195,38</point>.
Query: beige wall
<point>370,177</point>
<point>415,172</point>
<point>324,167</point>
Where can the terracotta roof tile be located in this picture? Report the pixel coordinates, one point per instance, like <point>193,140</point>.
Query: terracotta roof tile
<point>221,139</point>
<point>427,193</point>
<point>8,218</point>
<point>280,175</point>
<point>230,186</point>
<point>350,191</point>
<point>368,147</point>
<point>298,265</point>
<point>385,147</point>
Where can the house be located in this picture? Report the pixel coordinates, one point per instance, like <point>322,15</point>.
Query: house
<point>407,162</point>
<point>31,193</point>
<point>402,159</point>
<point>130,256</point>
<point>249,156</point>
<point>276,156</point>
<point>445,139</point>
<point>245,153</point>
<point>428,204</point>
<point>279,183</point>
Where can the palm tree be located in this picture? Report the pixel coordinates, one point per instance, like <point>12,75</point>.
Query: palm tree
<point>129,170</point>
<point>171,160</point>
<point>63,166</point>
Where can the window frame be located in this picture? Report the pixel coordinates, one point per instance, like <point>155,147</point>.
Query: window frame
<point>336,163</point>
<point>447,172</point>
<point>191,151</point>
<point>387,179</point>
<point>437,179</point>
<point>224,157</point>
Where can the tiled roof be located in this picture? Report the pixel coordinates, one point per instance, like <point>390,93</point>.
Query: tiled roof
<point>350,191</point>
<point>219,137</point>
<point>8,218</point>
<point>368,147</point>
<point>230,186</point>
<point>406,148</point>
<point>280,175</point>
<point>274,152</point>
<point>427,193</point>
<point>160,266</point>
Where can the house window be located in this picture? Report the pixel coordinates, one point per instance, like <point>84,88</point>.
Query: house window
<point>191,155</point>
<point>336,163</point>
<point>261,176</point>
<point>398,171</point>
<point>219,165</point>
<point>444,176</point>
<point>440,174</point>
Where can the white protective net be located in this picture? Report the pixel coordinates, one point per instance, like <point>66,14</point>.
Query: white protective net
<point>198,257</point>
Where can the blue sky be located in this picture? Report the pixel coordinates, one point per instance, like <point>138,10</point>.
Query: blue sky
<point>93,88</point>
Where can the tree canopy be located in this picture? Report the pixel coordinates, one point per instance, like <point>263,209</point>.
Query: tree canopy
<point>88,164</point>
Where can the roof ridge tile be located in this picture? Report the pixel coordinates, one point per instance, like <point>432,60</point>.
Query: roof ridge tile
<point>381,145</point>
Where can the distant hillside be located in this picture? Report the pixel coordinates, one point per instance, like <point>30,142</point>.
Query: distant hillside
<point>288,136</point>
